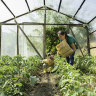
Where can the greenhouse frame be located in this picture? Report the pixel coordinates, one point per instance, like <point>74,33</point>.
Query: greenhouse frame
<point>49,5</point>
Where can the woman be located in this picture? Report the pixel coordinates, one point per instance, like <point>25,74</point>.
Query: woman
<point>72,43</point>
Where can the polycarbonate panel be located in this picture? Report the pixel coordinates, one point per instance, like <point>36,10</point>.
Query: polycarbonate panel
<point>93,25</point>
<point>33,4</point>
<point>52,4</point>
<point>88,11</point>
<point>35,34</point>
<point>81,37</point>
<point>37,16</point>
<point>4,13</point>
<point>8,40</point>
<point>17,6</point>
<point>70,6</point>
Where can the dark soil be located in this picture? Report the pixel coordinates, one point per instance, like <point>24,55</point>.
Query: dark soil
<point>47,86</point>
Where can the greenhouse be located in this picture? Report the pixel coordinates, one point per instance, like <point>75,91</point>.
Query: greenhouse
<point>29,32</point>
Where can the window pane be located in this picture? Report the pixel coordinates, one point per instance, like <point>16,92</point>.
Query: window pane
<point>8,40</point>
<point>17,6</point>
<point>4,13</point>
<point>88,11</point>
<point>70,6</point>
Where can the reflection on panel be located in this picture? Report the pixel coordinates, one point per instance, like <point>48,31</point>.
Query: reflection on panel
<point>70,6</point>
<point>33,4</point>
<point>88,11</point>
<point>53,4</point>
<point>17,6</point>
<point>4,13</point>
<point>8,40</point>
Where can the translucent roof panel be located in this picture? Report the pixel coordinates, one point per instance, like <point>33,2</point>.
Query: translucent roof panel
<point>32,17</point>
<point>88,10</point>
<point>17,6</point>
<point>35,4</point>
<point>53,4</point>
<point>70,6</point>
<point>3,12</point>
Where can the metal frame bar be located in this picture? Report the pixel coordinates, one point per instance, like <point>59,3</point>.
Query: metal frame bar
<point>28,38</point>
<point>79,8</point>
<point>59,5</point>
<point>17,40</point>
<point>33,23</point>
<point>8,8</point>
<point>77,41</point>
<point>27,5</point>
<point>21,15</point>
<point>88,40</point>
<point>66,15</point>
<point>91,20</point>
<point>0,37</point>
<point>44,2</point>
<point>44,35</point>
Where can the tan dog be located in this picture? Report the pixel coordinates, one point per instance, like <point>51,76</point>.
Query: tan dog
<point>49,62</point>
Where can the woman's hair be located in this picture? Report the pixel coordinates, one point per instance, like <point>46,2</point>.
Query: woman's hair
<point>63,33</point>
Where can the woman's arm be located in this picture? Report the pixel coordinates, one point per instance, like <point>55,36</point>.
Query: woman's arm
<point>73,47</point>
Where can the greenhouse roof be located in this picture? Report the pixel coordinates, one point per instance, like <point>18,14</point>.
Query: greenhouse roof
<point>83,11</point>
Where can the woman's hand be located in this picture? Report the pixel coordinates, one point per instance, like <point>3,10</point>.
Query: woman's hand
<point>73,47</point>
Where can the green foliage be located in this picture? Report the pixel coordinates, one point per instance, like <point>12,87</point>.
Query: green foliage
<point>72,82</point>
<point>86,64</point>
<point>15,72</point>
